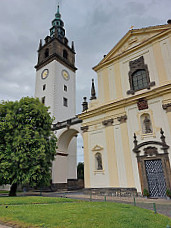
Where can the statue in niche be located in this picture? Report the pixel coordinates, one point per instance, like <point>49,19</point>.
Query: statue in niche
<point>99,161</point>
<point>147,125</point>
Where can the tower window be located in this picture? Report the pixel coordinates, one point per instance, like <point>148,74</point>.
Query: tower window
<point>65,102</point>
<point>65,88</point>
<point>46,52</point>
<point>43,100</point>
<point>44,86</point>
<point>65,54</point>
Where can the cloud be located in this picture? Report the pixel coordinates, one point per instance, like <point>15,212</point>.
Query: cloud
<point>95,26</point>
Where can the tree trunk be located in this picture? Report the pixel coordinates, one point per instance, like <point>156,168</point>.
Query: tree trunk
<point>13,190</point>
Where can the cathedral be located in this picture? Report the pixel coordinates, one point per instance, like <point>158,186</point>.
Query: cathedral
<point>126,130</point>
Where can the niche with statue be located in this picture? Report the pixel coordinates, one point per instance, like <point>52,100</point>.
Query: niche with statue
<point>146,124</point>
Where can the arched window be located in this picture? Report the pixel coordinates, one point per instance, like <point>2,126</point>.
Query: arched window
<point>139,76</point>
<point>98,161</point>
<point>46,52</point>
<point>139,80</point>
<point>146,124</point>
<point>65,54</point>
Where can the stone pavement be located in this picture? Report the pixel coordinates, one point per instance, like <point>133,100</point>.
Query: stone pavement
<point>3,226</point>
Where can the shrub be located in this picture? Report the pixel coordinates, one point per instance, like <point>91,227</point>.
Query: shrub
<point>146,193</point>
<point>168,193</point>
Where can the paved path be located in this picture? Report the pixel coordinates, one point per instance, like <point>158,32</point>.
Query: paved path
<point>163,206</point>
<point>3,226</point>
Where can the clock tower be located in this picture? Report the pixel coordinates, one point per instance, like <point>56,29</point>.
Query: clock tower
<point>55,87</point>
<point>55,72</point>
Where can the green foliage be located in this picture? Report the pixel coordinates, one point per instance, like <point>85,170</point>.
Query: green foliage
<point>80,170</point>
<point>146,193</point>
<point>27,144</point>
<point>52,212</point>
<point>168,193</point>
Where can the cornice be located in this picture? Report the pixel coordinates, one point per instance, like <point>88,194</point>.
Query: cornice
<point>58,58</point>
<point>125,102</point>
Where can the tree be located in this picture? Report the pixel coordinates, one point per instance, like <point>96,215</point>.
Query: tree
<point>80,170</point>
<point>27,144</point>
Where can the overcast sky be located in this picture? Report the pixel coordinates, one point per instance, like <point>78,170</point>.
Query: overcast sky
<point>94,25</point>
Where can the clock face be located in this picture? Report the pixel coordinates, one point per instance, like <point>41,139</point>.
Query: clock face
<point>44,73</point>
<point>65,75</point>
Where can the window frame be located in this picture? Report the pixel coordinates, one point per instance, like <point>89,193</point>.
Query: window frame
<point>65,102</point>
<point>136,65</point>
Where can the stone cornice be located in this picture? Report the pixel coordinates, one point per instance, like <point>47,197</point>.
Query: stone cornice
<point>125,102</point>
<point>57,58</point>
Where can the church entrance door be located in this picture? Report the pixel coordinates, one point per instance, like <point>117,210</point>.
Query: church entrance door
<point>155,178</point>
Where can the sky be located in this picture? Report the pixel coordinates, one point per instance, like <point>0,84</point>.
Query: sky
<point>94,25</point>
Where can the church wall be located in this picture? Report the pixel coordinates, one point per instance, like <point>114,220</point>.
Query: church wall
<point>98,178</point>
<point>158,119</point>
<point>122,109</point>
<point>115,80</point>
<point>166,54</point>
<point>116,157</point>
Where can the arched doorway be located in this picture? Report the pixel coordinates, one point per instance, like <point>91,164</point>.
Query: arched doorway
<point>154,166</point>
<point>64,169</point>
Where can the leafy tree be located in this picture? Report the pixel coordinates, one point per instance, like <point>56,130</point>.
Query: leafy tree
<point>27,144</point>
<point>80,170</point>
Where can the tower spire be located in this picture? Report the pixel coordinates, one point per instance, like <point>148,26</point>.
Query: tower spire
<point>58,15</point>
<point>57,28</point>
<point>93,92</point>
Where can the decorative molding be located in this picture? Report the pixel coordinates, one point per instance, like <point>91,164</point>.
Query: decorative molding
<point>66,123</point>
<point>135,65</point>
<point>97,148</point>
<point>122,119</point>
<point>125,102</point>
<point>166,106</point>
<point>84,129</point>
<point>142,104</point>
<point>163,144</point>
<point>108,122</point>
<point>133,40</point>
<point>150,151</point>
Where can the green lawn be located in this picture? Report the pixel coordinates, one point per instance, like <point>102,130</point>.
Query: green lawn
<point>61,212</point>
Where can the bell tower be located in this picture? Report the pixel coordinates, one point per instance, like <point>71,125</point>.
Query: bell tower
<point>55,72</point>
<point>55,87</point>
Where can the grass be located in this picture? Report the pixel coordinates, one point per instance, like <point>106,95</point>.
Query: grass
<point>61,212</point>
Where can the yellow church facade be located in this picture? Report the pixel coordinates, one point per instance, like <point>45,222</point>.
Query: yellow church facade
<point>127,129</point>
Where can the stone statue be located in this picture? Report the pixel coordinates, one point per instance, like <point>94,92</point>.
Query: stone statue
<point>147,125</point>
<point>99,162</point>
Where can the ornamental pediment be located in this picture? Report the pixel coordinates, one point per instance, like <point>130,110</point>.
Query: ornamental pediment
<point>97,148</point>
<point>132,39</point>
